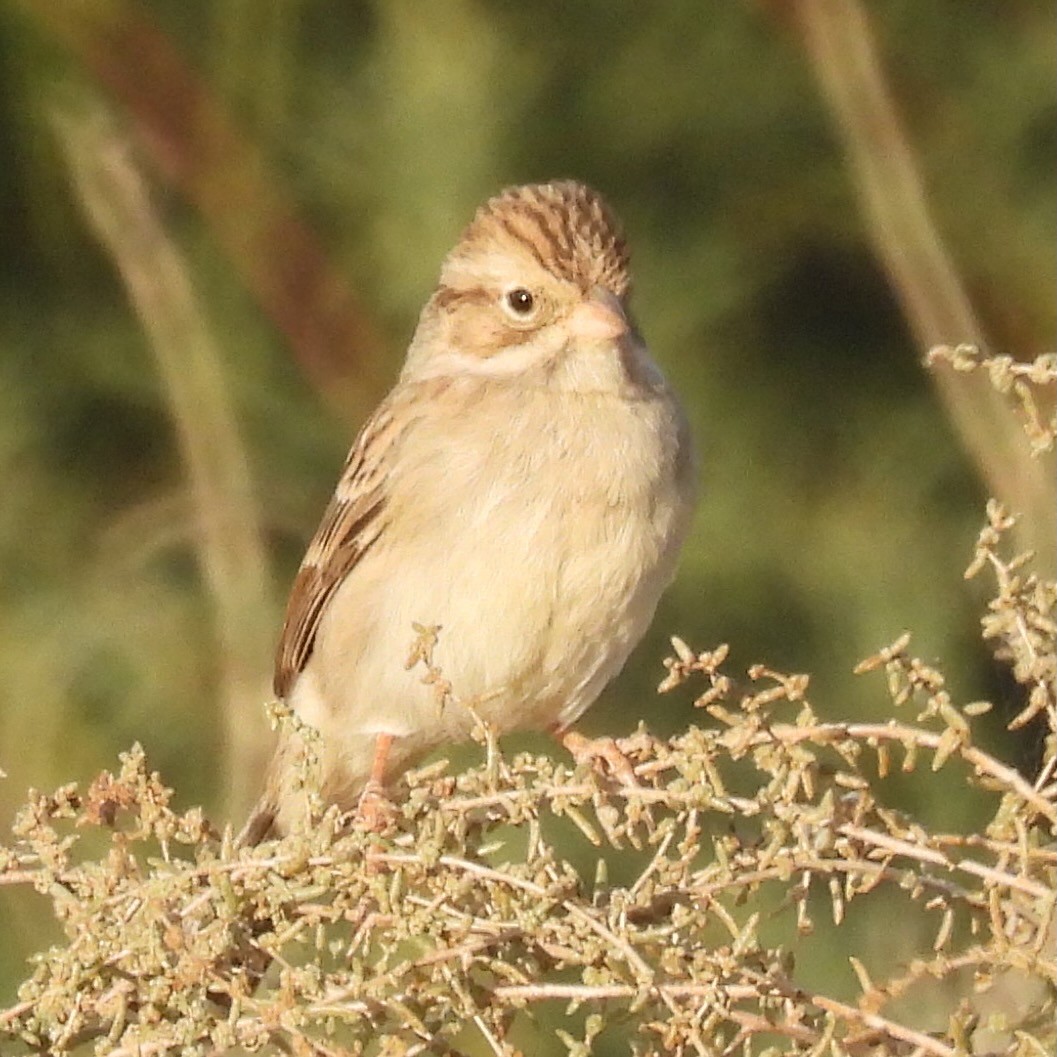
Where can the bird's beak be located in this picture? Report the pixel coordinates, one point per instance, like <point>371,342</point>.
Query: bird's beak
<point>600,317</point>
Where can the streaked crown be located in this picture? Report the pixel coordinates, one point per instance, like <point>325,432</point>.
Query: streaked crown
<point>566,226</point>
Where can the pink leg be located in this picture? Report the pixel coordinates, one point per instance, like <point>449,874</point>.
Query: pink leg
<point>373,808</point>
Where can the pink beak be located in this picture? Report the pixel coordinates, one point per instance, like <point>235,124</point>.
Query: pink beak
<point>599,318</point>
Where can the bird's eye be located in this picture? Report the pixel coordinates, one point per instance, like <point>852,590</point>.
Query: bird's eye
<point>519,302</point>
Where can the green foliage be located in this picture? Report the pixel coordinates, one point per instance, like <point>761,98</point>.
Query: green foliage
<point>756,286</point>
<point>837,502</point>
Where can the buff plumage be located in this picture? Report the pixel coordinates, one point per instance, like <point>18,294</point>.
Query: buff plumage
<point>526,487</point>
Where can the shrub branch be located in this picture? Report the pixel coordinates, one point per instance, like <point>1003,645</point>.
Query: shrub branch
<point>745,845</point>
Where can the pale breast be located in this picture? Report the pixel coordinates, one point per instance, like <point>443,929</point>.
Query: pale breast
<point>540,549</point>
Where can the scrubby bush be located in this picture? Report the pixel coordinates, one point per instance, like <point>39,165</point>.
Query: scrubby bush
<point>694,907</point>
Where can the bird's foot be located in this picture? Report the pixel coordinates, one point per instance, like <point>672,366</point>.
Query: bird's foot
<point>601,750</point>
<point>375,810</point>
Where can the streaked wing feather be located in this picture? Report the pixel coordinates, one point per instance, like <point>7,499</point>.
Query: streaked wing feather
<point>352,523</point>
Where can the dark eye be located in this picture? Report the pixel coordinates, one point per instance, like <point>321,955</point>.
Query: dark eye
<point>520,301</point>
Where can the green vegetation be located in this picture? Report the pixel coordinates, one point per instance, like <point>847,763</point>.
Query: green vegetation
<point>217,225</point>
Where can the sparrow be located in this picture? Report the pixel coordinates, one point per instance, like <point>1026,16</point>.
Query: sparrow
<point>523,490</point>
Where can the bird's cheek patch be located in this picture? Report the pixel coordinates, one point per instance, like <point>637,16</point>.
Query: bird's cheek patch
<point>484,334</point>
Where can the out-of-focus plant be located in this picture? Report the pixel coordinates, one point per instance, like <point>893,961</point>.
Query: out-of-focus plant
<point>447,930</point>
<point>226,520</point>
<point>933,296</point>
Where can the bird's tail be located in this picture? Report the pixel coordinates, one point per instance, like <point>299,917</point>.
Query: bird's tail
<point>260,825</point>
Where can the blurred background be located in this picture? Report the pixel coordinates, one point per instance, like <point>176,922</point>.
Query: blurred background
<point>218,222</point>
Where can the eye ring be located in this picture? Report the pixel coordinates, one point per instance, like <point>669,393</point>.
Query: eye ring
<point>519,302</point>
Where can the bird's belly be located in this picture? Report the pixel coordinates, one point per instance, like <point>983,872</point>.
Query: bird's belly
<point>538,582</point>
<point>534,615</point>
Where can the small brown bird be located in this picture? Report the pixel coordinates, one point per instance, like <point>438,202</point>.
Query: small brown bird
<point>526,487</point>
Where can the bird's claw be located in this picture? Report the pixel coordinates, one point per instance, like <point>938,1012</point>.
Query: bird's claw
<point>374,811</point>
<point>601,750</point>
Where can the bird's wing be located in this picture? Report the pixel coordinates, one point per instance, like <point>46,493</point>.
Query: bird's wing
<point>351,525</point>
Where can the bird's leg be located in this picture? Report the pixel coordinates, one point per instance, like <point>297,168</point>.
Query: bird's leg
<point>373,808</point>
<point>589,750</point>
